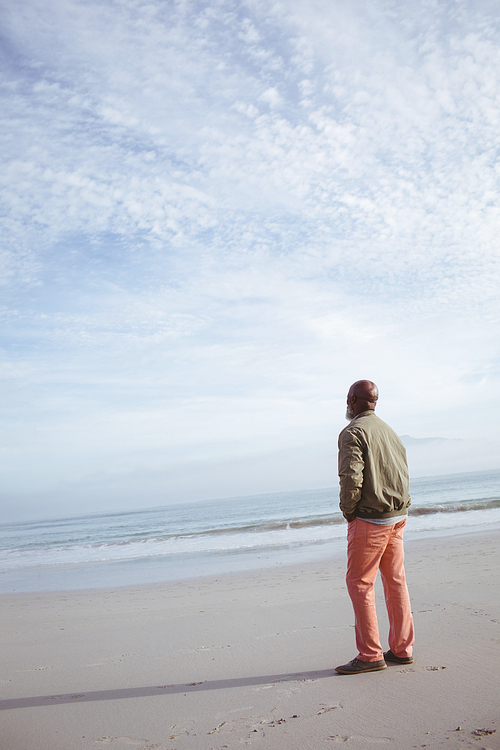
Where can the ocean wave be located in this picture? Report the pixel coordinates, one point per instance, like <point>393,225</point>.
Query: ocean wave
<point>253,525</point>
<point>301,523</point>
<point>483,504</point>
<point>257,538</point>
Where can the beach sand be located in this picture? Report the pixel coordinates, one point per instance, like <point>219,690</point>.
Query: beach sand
<point>247,661</point>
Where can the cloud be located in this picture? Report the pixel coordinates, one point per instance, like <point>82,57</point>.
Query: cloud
<point>218,216</point>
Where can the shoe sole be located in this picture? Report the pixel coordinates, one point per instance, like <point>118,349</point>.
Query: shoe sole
<point>400,661</point>
<point>361,671</point>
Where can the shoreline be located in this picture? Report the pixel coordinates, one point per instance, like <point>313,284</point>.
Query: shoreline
<point>158,570</point>
<point>247,659</point>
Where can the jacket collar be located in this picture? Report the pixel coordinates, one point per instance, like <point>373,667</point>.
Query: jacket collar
<point>366,413</point>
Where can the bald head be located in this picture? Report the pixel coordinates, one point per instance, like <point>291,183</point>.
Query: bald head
<point>362,396</point>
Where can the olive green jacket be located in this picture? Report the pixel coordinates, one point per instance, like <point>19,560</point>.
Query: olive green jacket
<point>373,471</point>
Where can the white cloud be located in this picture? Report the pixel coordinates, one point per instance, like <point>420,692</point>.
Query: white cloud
<point>271,96</point>
<point>217,217</point>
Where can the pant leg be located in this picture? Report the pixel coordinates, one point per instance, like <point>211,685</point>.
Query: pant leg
<point>401,631</point>
<point>366,544</point>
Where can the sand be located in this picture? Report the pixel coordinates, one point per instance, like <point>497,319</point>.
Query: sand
<point>246,661</point>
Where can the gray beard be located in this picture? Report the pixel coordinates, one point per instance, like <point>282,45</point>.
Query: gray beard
<point>349,413</point>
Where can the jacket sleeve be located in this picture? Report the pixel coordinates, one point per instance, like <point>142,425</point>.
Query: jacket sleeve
<point>351,466</point>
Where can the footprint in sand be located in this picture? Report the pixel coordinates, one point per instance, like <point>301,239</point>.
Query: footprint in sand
<point>327,709</point>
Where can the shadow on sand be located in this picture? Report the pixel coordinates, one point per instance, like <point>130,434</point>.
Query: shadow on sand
<point>147,692</point>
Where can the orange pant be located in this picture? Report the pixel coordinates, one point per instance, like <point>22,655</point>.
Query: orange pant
<point>370,547</point>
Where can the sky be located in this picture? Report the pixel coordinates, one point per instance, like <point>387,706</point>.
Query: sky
<point>216,216</point>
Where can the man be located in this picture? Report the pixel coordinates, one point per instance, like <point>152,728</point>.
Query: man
<point>374,500</point>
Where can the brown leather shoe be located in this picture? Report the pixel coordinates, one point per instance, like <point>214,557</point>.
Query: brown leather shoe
<point>389,656</point>
<point>356,666</point>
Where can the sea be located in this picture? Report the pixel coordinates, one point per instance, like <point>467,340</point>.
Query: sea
<point>216,537</point>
